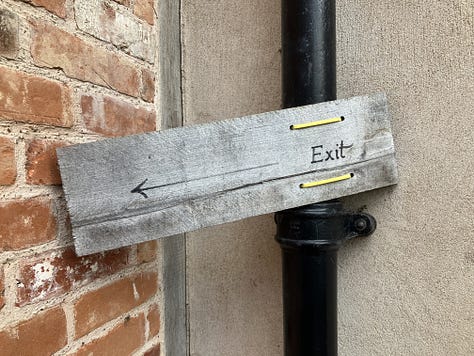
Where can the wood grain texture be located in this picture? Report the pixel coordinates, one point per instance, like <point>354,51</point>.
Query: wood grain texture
<point>173,247</point>
<point>224,171</point>
<point>170,64</point>
<point>174,294</point>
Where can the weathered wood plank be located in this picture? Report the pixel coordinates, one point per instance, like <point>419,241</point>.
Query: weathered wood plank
<point>137,188</point>
<point>173,247</point>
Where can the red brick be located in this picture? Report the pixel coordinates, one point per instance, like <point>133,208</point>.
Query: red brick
<point>9,34</point>
<point>54,48</point>
<point>124,30</point>
<point>54,273</point>
<point>57,7</point>
<point>113,117</point>
<point>97,307</point>
<point>42,162</point>
<point>7,161</point>
<point>28,98</point>
<point>147,92</point>
<point>144,10</point>
<point>125,338</point>
<point>25,223</point>
<point>146,251</point>
<point>153,318</point>
<point>154,351</point>
<point>44,334</point>
<point>2,289</point>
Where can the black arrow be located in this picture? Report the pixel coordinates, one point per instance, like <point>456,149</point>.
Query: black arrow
<point>138,189</point>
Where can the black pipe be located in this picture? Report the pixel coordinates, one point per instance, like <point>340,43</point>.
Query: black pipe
<point>310,236</point>
<point>308,51</point>
<point>309,282</point>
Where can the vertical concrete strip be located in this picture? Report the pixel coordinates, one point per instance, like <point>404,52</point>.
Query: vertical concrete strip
<point>231,65</point>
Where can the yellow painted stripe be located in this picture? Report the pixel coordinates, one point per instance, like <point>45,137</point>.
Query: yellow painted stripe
<point>326,181</point>
<point>316,123</point>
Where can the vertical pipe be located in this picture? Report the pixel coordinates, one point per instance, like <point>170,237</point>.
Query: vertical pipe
<point>309,51</point>
<point>311,235</point>
<point>309,253</point>
<point>310,291</point>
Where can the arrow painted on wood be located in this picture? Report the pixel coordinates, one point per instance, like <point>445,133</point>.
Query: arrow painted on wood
<point>138,189</point>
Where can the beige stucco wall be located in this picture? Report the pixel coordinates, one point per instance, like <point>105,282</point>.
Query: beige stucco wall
<point>408,289</point>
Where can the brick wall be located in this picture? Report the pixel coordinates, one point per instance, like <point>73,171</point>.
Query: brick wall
<point>71,71</point>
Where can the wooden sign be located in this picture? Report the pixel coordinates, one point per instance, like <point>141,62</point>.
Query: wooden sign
<point>137,188</point>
